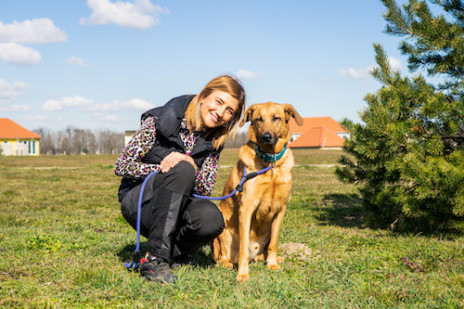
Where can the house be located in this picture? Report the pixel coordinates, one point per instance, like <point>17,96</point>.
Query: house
<point>318,132</point>
<point>128,136</point>
<point>16,140</point>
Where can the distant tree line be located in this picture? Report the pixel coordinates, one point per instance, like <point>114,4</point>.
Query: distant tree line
<point>78,141</point>
<point>240,139</point>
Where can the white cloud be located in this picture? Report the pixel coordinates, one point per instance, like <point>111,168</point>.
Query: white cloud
<point>111,118</point>
<point>395,63</point>
<point>37,117</point>
<point>41,30</point>
<point>104,107</point>
<point>137,104</point>
<point>12,36</point>
<point>139,14</point>
<point>66,102</point>
<point>364,73</point>
<point>246,74</point>
<point>18,54</point>
<point>77,61</point>
<point>90,105</point>
<point>353,73</point>
<point>11,91</point>
<point>19,108</point>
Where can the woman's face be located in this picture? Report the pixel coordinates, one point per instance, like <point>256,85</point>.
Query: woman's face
<point>217,109</point>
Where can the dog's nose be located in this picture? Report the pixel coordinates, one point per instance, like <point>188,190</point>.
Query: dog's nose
<point>265,138</point>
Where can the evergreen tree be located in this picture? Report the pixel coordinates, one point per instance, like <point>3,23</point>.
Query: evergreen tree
<point>408,155</point>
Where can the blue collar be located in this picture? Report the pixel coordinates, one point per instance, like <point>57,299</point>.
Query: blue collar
<point>268,157</point>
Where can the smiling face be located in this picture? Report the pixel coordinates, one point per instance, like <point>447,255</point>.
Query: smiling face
<point>217,109</point>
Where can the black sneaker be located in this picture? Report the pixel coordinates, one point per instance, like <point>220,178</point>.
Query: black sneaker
<point>155,269</point>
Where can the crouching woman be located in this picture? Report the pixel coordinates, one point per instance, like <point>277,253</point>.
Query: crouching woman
<point>181,140</point>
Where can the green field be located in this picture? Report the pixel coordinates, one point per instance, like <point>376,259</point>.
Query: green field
<point>63,241</point>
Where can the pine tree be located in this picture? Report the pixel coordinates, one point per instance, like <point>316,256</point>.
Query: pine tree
<point>408,154</point>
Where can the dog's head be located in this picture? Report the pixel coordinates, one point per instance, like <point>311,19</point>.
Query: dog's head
<point>269,123</point>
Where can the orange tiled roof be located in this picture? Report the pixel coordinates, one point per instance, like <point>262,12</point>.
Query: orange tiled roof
<point>318,137</point>
<point>312,122</point>
<point>10,129</point>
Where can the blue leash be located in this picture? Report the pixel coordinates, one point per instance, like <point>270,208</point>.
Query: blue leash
<point>135,263</point>
<point>239,187</point>
<point>136,258</point>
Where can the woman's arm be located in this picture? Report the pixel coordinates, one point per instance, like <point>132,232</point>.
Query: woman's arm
<point>129,164</point>
<point>206,175</point>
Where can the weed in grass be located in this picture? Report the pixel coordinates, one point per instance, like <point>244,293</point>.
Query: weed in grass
<point>45,242</point>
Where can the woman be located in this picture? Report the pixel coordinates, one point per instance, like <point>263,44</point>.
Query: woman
<point>182,140</point>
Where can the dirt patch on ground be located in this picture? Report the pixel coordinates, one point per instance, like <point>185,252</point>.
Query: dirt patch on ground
<point>296,251</point>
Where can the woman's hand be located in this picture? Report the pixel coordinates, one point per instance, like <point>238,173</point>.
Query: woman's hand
<point>173,159</point>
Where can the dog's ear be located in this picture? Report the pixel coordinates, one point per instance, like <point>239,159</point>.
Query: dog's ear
<point>291,112</point>
<point>248,115</point>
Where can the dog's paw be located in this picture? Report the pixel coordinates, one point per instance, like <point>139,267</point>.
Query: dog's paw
<point>273,266</point>
<point>243,277</point>
<point>226,263</point>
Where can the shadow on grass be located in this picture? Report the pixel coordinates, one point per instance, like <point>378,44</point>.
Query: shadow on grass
<point>199,258</point>
<point>127,253</point>
<point>343,210</point>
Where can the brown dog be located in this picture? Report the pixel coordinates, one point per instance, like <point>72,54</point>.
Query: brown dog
<point>253,218</point>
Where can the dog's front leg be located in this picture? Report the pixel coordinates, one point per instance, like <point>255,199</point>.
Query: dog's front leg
<point>245,213</point>
<point>272,258</point>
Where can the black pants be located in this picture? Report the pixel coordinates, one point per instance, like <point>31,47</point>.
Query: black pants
<point>174,222</point>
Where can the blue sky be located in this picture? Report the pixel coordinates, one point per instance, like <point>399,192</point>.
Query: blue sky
<point>98,64</point>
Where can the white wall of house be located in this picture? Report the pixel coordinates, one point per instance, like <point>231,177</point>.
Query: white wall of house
<point>7,148</point>
<point>127,136</point>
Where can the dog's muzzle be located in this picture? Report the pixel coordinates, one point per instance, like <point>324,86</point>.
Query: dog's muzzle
<point>267,139</point>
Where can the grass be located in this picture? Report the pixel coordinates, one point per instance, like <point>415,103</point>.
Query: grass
<point>63,241</point>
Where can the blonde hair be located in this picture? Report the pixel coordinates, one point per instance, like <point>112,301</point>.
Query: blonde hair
<point>224,83</point>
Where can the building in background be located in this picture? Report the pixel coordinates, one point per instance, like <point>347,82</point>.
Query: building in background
<point>128,135</point>
<point>318,132</point>
<point>16,140</point>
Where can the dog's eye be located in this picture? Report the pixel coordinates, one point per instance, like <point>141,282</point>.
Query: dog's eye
<point>276,118</point>
<point>260,119</point>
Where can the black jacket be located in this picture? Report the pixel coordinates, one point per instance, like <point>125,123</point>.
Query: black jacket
<point>167,122</point>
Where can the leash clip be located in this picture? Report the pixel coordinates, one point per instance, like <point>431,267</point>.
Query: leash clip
<point>239,188</point>
<point>135,263</point>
